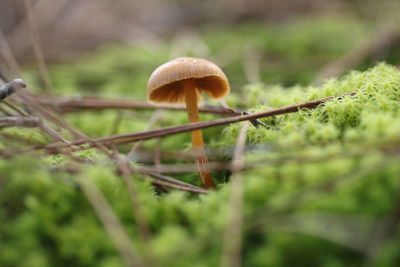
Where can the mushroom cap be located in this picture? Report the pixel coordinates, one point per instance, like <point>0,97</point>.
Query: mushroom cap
<point>165,84</point>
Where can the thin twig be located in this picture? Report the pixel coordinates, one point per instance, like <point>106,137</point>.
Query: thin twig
<point>116,123</point>
<point>188,167</point>
<point>179,187</point>
<point>169,180</point>
<point>34,36</point>
<point>65,104</point>
<point>6,112</point>
<point>16,108</point>
<point>154,177</point>
<point>20,122</point>
<point>389,150</point>
<point>11,151</point>
<point>11,87</point>
<point>369,46</point>
<point>23,94</point>
<point>232,251</point>
<point>146,135</point>
<point>8,55</point>
<point>152,121</point>
<point>157,154</point>
<point>251,64</point>
<point>111,223</point>
<point>3,76</point>
<point>30,101</point>
<point>137,210</point>
<point>311,193</point>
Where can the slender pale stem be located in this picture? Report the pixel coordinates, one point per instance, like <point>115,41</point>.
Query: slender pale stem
<point>191,93</point>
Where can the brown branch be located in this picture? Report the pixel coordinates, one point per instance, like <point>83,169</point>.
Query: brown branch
<point>232,251</point>
<point>170,180</point>
<point>179,187</point>
<point>8,55</point>
<point>47,113</point>
<point>37,48</point>
<point>18,85</point>
<point>137,209</point>
<point>111,223</point>
<point>152,121</point>
<point>11,87</point>
<point>188,167</point>
<point>134,137</point>
<point>20,122</point>
<point>90,103</point>
<point>153,176</point>
<point>380,41</point>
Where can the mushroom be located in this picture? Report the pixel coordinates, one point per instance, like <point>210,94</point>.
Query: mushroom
<point>182,80</point>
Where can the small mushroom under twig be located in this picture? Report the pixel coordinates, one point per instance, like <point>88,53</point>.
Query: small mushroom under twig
<point>182,80</point>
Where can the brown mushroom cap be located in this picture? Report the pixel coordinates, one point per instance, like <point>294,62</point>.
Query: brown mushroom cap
<point>166,82</point>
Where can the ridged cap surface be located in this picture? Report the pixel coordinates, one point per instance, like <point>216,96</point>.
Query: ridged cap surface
<point>165,84</point>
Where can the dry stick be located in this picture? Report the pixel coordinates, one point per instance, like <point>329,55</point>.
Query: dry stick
<point>111,223</point>
<point>189,42</point>
<point>355,56</point>
<point>388,149</point>
<point>48,17</point>
<point>251,64</point>
<point>135,204</point>
<point>146,135</point>
<point>18,86</point>
<point>34,36</point>
<point>165,181</point>
<point>187,167</point>
<point>116,123</point>
<point>232,251</point>
<point>310,194</point>
<point>147,155</point>
<point>154,177</point>
<point>38,122</point>
<point>143,227</point>
<point>3,76</point>
<point>6,112</point>
<point>146,171</point>
<point>16,109</point>
<point>21,122</point>
<point>153,120</point>
<point>8,55</point>
<point>50,131</point>
<point>183,188</point>
<point>12,151</point>
<point>157,154</point>
<point>89,103</point>
<point>11,87</point>
<point>30,101</point>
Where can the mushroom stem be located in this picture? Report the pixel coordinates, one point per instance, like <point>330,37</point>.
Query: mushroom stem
<point>191,94</point>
